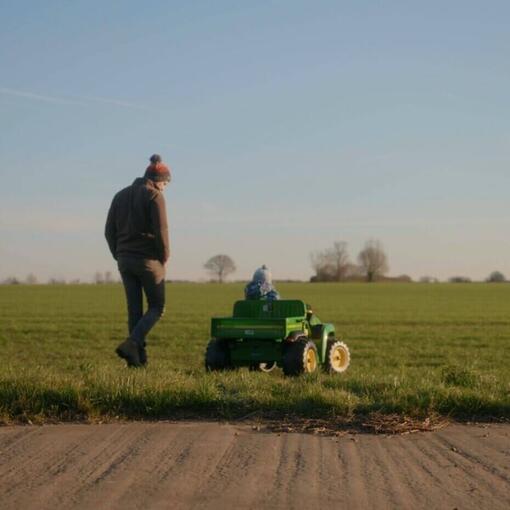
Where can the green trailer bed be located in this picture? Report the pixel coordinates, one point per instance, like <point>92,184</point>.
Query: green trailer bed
<point>232,327</point>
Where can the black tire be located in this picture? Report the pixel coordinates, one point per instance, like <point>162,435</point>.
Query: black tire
<point>217,355</point>
<point>338,357</point>
<point>263,367</point>
<point>300,357</point>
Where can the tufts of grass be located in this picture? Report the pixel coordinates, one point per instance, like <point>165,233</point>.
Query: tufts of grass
<point>452,375</point>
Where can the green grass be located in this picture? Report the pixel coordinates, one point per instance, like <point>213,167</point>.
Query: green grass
<point>417,350</point>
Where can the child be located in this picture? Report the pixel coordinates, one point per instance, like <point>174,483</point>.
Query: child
<point>261,286</point>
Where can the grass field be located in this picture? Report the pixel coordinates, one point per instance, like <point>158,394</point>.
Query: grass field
<point>417,350</point>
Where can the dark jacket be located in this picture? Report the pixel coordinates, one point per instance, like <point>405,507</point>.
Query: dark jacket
<point>261,290</point>
<point>137,225</point>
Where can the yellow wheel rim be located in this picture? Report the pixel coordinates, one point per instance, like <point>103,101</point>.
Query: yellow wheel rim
<point>339,358</point>
<point>311,360</point>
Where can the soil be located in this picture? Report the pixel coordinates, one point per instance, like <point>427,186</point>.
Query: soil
<point>211,465</point>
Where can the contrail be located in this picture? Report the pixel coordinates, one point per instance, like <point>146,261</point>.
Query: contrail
<point>80,101</point>
<point>114,102</point>
<point>39,97</point>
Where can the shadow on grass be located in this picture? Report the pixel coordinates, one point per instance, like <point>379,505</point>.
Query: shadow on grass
<point>38,403</point>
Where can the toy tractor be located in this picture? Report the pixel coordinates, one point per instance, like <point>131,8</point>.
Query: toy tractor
<point>262,335</point>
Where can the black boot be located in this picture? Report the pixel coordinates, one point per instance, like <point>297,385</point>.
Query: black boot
<point>128,350</point>
<point>142,354</point>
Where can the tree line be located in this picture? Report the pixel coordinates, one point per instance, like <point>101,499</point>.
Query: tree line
<point>332,264</point>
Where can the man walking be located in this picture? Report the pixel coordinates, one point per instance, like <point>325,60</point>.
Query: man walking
<point>137,234</point>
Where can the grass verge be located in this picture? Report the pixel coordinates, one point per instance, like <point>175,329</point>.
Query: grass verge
<point>418,351</point>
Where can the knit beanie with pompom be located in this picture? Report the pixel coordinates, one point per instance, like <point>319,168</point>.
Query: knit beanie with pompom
<point>262,275</point>
<point>157,171</point>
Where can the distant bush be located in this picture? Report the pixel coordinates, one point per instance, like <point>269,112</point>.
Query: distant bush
<point>459,279</point>
<point>402,278</point>
<point>428,279</point>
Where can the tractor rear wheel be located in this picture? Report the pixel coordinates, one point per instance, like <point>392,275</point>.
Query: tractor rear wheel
<point>217,355</point>
<point>338,356</point>
<point>300,357</point>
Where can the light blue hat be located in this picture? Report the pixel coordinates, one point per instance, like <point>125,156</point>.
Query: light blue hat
<point>262,275</point>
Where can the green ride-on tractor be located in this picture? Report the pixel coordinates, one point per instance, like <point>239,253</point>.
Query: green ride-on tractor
<point>262,335</point>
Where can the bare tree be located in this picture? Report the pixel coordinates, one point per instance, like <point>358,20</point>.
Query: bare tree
<point>220,266</point>
<point>98,277</point>
<point>331,264</point>
<point>108,277</point>
<point>323,270</point>
<point>373,260</point>
<point>31,279</point>
<point>496,277</point>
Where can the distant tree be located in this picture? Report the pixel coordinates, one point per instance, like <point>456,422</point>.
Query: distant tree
<point>11,280</point>
<point>98,277</point>
<point>31,279</point>
<point>108,277</point>
<point>324,272</point>
<point>496,277</point>
<point>373,260</point>
<point>459,279</point>
<point>428,279</point>
<point>403,278</point>
<point>56,281</point>
<point>220,266</point>
<point>332,263</point>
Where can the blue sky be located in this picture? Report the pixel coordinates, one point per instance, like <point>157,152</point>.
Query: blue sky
<point>288,125</point>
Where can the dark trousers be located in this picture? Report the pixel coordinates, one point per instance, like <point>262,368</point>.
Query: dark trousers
<point>138,276</point>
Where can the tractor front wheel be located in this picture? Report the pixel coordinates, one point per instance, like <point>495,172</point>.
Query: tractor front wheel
<point>300,357</point>
<point>338,357</point>
<point>217,355</point>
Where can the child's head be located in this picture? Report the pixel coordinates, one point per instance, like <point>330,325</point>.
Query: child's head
<point>262,275</point>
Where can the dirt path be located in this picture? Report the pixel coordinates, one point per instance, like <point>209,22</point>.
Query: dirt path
<point>208,465</point>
